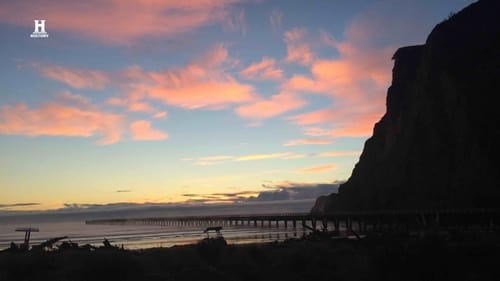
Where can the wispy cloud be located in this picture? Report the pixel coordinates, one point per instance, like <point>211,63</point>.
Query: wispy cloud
<point>160,115</point>
<point>283,155</point>
<point>339,153</point>
<point>266,69</point>
<point>123,190</point>
<point>276,19</point>
<point>235,21</point>
<point>308,141</point>
<point>218,159</point>
<point>317,169</point>
<point>212,160</point>
<point>298,47</point>
<point>153,19</point>
<point>17,205</point>
<point>78,78</point>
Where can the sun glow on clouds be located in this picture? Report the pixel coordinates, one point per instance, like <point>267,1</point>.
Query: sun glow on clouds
<point>67,115</point>
<point>308,141</point>
<point>265,69</point>
<point>357,75</point>
<point>273,106</point>
<point>73,116</point>
<point>298,93</point>
<point>219,159</point>
<point>317,169</point>
<point>141,130</point>
<point>298,47</point>
<point>204,83</point>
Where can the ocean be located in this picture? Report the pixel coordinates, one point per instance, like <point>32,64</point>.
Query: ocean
<point>71,223</point>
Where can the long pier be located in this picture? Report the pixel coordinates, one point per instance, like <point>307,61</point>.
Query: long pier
<point>351,222</point>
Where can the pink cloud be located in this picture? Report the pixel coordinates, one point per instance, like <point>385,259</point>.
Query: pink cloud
<point>308,141</point>
<point>203,83</point>
<point>75,77</point>
<point>355,82</point>
<point>142,130</point>
<point>318,169</point>
<point>201,94</point>
<point>70,115</point>
<point>341,123</point>
<point>118,22</point>
<point>264,70</point>
<point>275,105</point>
<point>298,48</point>
<point>133,104</point>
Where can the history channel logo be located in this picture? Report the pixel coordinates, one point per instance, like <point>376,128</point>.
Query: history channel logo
<point>39,30</point>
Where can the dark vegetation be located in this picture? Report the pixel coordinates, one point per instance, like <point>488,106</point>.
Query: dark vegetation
<point>465,256</point>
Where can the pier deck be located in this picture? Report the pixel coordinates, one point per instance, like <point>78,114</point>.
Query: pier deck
<point>349,221</point>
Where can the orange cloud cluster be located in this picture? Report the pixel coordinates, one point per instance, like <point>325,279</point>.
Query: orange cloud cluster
<point>142,130</point>
<point>118,22</point>
<point>273,106</point>
<point>70,115</point>
<point>203,83</point>
<point>347,122</point>
<point>73,116</point>
<point>355,82</point>
<point>200,84</point>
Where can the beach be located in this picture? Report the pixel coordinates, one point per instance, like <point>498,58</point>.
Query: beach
<point>73,225</point>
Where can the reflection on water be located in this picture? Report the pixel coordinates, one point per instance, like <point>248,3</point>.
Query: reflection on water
<point>135,237</point>
<point>145,236</point>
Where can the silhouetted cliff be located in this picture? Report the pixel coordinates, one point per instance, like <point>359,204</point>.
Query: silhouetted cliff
<point>438,145</point>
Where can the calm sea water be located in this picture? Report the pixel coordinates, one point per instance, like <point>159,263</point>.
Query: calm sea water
<point>72,224</point>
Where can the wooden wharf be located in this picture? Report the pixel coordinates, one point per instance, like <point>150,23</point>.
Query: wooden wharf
<point>351,222</point>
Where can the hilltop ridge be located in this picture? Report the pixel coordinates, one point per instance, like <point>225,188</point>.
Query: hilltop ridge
<point>437,144</point>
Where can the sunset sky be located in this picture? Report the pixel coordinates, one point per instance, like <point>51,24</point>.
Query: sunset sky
<point>150,101</point>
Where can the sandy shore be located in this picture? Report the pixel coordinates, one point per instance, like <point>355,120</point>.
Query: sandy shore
<point>383,257</point>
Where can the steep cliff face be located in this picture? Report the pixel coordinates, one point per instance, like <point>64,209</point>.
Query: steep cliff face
<point>437,146</point>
